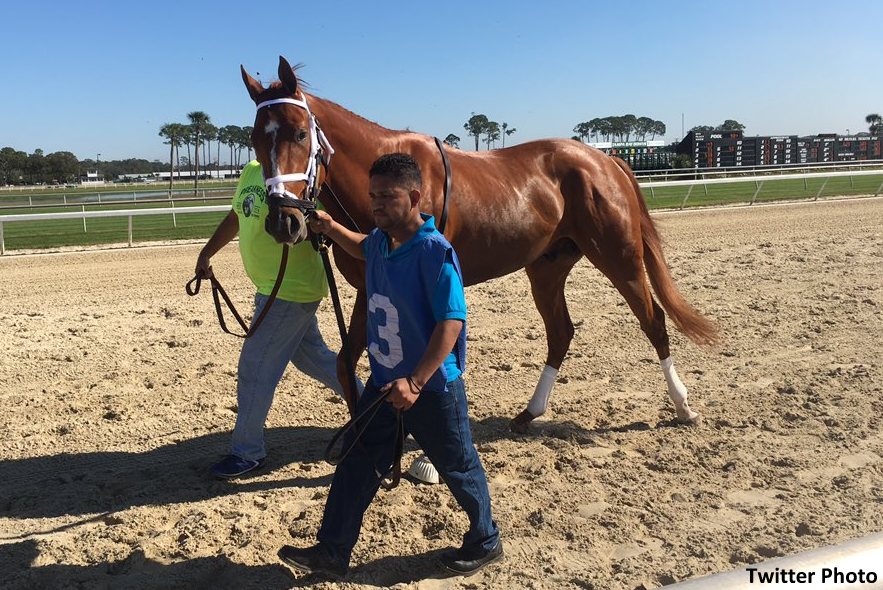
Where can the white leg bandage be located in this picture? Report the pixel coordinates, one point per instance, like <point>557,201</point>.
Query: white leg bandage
<point>540,400</point>
<point>677,391</point>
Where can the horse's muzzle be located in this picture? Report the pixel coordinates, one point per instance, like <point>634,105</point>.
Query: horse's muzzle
<point>287,220</point>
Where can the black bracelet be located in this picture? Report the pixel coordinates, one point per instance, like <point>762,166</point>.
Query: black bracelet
<point>414,389</point>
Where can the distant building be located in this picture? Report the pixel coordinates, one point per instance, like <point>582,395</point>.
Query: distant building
<point>640,155</point>
<point>92,178</point>
<point>730,149</point>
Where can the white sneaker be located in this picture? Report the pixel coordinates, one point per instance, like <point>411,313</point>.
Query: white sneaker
<point>424,470</point>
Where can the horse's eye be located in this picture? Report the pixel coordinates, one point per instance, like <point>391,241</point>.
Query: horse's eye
<point>301,135</point>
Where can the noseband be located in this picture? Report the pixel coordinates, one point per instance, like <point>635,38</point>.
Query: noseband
<point>320,155</point>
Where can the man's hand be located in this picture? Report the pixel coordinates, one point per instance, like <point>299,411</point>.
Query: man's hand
<point>204,267</point>
<point>402,396</point>
<point>320,222</point>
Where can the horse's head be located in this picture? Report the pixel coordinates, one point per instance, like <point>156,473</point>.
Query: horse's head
<point>292,150</point>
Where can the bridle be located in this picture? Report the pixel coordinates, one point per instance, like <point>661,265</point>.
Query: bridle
<point>320,155</point>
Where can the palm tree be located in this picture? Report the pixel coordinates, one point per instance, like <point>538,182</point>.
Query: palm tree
<point>875,123</point>
<point>209,134</point>
<point>174,134</point>
<point>199,122</point>
<point>246,140</point>
<point>225,137</point>
<point>506,131</point>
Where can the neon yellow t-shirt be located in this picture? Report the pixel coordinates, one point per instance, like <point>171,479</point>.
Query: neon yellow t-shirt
<point>304,280</point>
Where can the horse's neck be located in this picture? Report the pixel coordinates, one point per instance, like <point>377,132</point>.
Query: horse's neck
<point>350,135</point>
<point>357,142</point>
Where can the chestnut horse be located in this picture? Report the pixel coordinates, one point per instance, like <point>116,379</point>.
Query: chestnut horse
<point>541,206</point>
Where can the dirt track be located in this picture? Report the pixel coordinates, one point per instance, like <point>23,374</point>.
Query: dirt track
<point>118,393</point>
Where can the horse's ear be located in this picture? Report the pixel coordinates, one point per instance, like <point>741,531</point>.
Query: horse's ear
<point>254,87</point>
<point>287,76</point>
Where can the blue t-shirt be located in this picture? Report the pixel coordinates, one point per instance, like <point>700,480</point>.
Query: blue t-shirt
<point>410,290</point>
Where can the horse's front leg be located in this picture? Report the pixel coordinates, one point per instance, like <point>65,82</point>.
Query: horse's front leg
<point>358,341</point>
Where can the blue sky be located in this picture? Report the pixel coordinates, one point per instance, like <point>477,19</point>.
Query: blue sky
<point>102,77</point>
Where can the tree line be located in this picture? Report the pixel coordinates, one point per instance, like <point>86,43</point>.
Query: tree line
<point>619,128</point>
<point>201,139</point>
<point>478,126</point>
<point>199,134</point>
<point>728,125</point>
<point>18,167</point>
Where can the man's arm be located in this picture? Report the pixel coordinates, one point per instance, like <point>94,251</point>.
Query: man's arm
<point>442,341</point>
<point>350,241</point>
<point>226,231</point>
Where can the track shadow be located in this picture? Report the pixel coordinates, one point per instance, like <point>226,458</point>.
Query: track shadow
<point>136,571</point>
<point>386,572</point>
<point>497,428</point>
<point>88,483</point>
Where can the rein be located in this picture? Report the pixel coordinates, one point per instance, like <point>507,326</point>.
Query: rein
<point>353,427</point>
<point>192,289</point>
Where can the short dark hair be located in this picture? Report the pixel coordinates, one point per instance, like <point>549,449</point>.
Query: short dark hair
<point>400,167</point>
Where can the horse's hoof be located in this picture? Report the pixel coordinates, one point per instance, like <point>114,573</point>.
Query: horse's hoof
<point>688,417</point>
<point>521,423</point>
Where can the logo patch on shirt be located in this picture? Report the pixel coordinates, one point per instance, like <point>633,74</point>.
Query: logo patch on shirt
<point>253,200</point>
<point>247,205</point>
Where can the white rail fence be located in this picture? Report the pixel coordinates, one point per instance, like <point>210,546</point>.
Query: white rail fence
<point>759,182</point>
<point>651,185</point>
<point>130,213</point>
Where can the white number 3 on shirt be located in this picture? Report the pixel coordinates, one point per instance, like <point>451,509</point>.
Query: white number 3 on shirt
<point>389,332</point>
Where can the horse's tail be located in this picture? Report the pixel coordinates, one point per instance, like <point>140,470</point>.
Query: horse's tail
<point>694,325</point>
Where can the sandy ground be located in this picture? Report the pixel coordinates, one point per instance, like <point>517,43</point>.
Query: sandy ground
<point>117,393</point>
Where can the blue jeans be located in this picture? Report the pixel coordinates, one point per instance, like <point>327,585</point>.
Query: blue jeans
<point>289,333</point>
<point>440,425</point>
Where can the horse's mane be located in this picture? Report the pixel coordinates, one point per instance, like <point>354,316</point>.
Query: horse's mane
<point>275,86</point>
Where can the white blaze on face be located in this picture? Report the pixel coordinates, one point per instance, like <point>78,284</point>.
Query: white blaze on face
<point>270,129</point>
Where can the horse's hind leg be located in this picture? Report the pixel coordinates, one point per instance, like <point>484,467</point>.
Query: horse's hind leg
<point>547,276</point>
<point>624,266</point>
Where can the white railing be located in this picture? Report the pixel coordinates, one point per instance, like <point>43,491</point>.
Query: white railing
<point>758,180</point>
<point>130,213</point>
<point>766,169</point>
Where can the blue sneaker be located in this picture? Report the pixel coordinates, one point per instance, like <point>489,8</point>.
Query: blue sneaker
<point>233,466</point>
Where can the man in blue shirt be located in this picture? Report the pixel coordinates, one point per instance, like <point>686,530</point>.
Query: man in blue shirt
<point>417,352</point>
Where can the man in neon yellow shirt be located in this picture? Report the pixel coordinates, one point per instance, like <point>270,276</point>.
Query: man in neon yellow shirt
<point>289,332</point>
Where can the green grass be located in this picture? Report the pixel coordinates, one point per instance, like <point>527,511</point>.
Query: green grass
<point>55,196</point>
<point>106,230</point>
<point>55,233</point>
<point>773,189</point>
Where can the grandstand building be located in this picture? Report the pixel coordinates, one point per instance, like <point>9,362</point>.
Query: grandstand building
<point>729,149</point>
